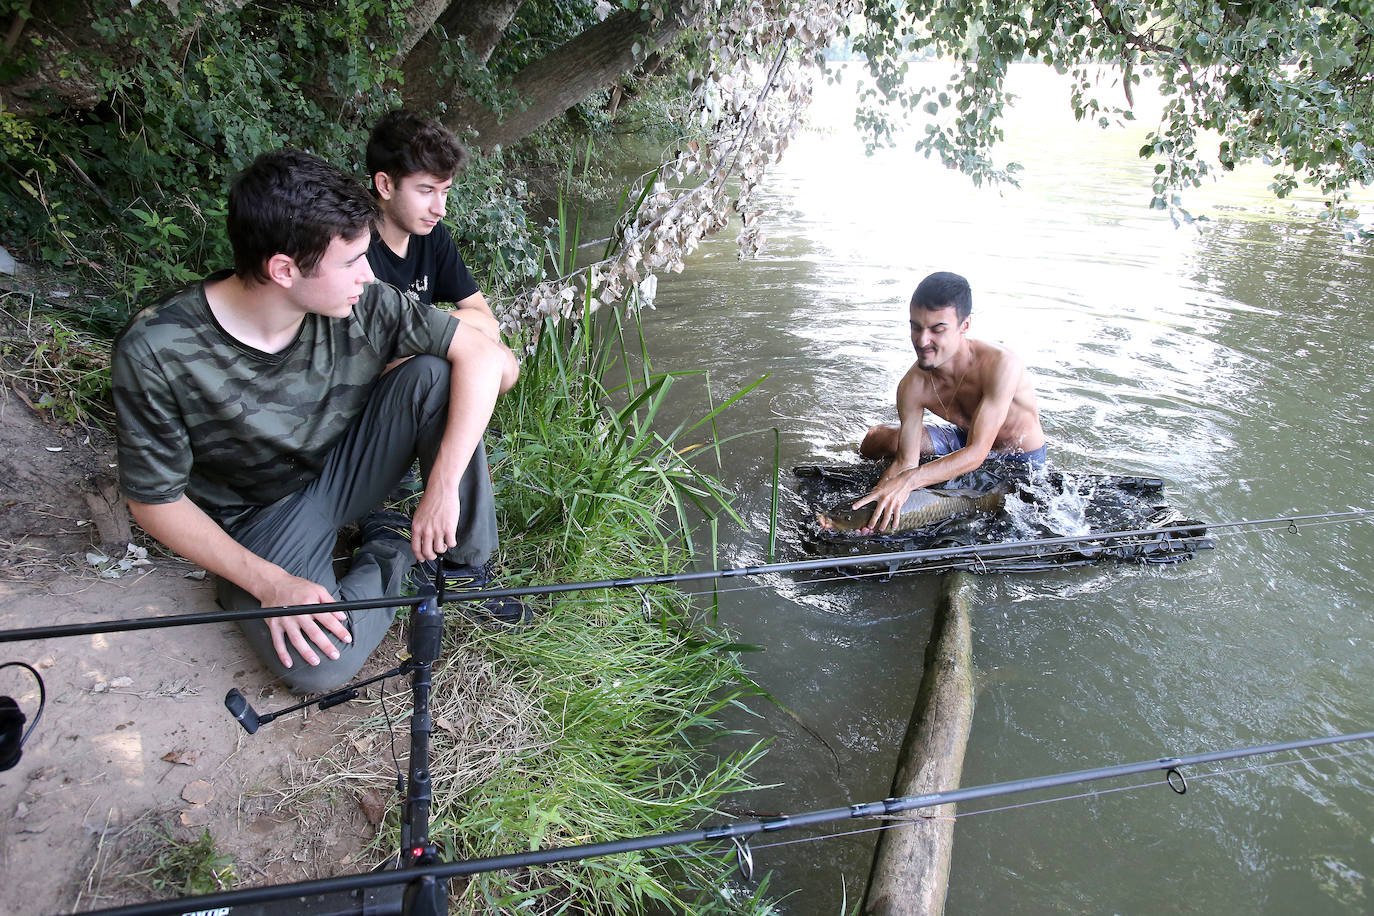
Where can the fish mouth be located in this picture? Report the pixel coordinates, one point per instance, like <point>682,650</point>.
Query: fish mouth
<point>829,524</point>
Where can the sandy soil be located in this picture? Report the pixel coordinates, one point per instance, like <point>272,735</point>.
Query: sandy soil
<point>135,726</point>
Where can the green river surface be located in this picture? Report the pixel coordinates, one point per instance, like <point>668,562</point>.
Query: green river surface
<point>1235,363</point>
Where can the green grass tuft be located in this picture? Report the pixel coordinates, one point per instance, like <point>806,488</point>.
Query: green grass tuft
<point>625,685</point>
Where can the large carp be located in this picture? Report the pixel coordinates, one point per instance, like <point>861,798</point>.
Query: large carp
<point>923,507</point>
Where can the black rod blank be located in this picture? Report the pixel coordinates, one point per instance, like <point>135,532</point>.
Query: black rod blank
<point>871,559</point>
<point>721,832</point>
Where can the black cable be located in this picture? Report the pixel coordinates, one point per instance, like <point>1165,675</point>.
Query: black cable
<point>391,733</point>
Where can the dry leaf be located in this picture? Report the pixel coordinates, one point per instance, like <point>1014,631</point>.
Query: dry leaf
<point>184,756</point>
<point>373,806</point>
<point>196,817</point>
<point>198,793</point>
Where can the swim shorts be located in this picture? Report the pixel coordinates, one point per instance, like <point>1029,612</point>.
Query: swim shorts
<point>946,438</point>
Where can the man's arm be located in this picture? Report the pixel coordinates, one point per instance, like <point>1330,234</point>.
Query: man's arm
<point>477,313</point>
<point>185,528</point>
<point>904,475</point>
<point>898,480</point>
<point>478,370</point>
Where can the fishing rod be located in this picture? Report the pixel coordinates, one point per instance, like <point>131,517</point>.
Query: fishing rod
<point>737,832</point>
<point>891,559</point>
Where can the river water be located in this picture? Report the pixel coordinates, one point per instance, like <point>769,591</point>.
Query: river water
<point>1235,363</point>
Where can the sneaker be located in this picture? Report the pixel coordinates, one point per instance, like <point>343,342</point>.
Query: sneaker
<point>502,611</point>
<point>511,612</point>
<point>384,525</point>
<point>389,525</point>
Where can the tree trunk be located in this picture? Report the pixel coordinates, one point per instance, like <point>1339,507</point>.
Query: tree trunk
<point>420,18</point>
<point>910,872</point>
<point>597,58</point>
<point>480,25</point>
<point>593,60</point>
<point>61,78</point>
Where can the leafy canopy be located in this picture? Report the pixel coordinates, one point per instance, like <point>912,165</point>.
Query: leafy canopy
<point>1285,82</point>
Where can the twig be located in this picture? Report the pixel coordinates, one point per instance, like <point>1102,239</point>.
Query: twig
<point>21,19</point>
<point>95,863</point>
<point>87,180</point>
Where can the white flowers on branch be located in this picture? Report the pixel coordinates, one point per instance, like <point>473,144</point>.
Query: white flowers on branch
<point>749,104</point>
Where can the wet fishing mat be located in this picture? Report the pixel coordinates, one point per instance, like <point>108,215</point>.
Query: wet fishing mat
<point>1124,511</point>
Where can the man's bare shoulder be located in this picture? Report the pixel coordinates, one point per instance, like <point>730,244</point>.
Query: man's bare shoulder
<point>992,352</point>
<point>995,360</point>
<point>915,383</point>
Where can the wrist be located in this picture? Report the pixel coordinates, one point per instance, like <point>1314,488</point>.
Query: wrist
<point>442,482</point>
<point>263,579</point>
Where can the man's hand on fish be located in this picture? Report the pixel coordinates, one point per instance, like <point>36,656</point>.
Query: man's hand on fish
<point>887,499</point>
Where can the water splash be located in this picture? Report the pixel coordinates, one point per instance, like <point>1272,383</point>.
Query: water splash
<point>1039,509</point>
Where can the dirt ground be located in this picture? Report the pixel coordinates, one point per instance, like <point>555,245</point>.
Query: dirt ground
<point>135,728</point>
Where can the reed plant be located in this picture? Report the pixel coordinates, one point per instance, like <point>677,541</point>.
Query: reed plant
<point>597,722</point>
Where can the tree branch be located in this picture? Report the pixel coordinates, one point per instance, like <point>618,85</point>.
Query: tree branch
<point>593,60</point>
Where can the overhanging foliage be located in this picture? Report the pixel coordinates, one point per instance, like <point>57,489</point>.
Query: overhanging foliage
<point>1281,81</point>
<point>120,125</point>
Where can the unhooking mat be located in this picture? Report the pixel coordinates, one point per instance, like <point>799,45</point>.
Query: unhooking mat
<point>1050,505</point>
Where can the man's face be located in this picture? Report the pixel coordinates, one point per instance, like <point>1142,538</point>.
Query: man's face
<point>936,335</point>
<point>414,203</point>
<point>333,287</point>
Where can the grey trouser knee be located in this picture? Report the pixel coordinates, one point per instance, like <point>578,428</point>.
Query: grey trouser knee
<point>404,419</point>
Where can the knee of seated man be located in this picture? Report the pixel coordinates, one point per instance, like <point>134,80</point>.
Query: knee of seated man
<point>425,369</point>
<point>421,380</point>
<point>330,674</point>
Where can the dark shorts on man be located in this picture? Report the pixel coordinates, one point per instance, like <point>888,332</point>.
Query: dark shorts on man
<point>946,438</point>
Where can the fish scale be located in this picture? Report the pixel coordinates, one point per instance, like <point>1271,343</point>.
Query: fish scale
<point>923,507</point>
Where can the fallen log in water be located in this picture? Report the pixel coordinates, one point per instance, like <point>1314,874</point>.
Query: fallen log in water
<point>910,872</point>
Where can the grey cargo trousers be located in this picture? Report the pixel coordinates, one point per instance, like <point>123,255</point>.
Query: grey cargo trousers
<point>404,419</point>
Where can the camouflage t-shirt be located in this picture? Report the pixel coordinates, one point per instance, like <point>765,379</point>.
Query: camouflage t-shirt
<point>232,427</point>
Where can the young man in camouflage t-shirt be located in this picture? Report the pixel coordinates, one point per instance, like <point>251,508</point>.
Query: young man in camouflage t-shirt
<point>255,420</point>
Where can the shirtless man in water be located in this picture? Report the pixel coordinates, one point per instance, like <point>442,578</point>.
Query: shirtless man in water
<point>981,388</point>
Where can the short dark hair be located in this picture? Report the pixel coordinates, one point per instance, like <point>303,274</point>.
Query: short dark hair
<point>941,290</point>
<point>292,203</point>
<point>404,144</point>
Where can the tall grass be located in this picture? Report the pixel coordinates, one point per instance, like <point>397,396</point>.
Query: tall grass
<point>622,687</point>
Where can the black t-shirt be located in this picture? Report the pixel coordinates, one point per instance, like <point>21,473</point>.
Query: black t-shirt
<point>432,268</point>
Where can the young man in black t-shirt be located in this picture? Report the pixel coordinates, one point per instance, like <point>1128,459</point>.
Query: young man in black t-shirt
<point>412,161</point>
